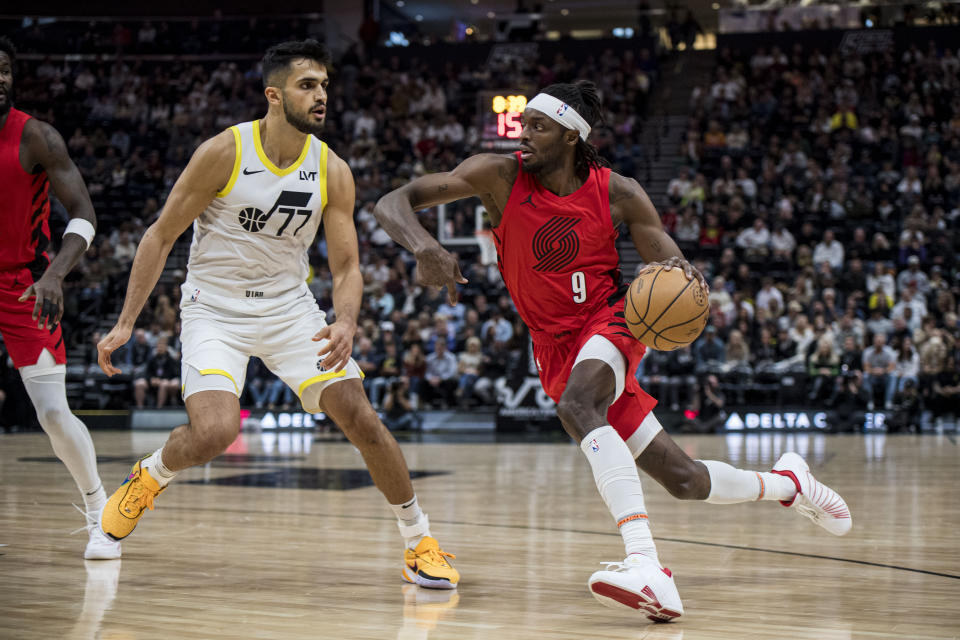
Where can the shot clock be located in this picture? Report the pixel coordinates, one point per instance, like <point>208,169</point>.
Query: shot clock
<point>499,113</point>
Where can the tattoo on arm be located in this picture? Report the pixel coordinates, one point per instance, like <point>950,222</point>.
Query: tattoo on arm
<point>656,245</point>
<point>52,139</point>
<point>443,187</point>
<point>618,192</point>
<point>52,155</point>
<point>506,175</point>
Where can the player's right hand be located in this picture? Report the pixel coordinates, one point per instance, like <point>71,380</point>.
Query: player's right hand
<point>117,337</point>
<point>436,267</point>
<point>688,270</point>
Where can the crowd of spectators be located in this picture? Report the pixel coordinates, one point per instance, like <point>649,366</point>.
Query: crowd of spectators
<point>820,192</point>
<point>221,35</point>
<point>131,124</point>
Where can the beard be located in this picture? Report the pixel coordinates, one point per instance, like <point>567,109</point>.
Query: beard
<point>302,123</point>
<point>6,102</point>
<point>543,162</point>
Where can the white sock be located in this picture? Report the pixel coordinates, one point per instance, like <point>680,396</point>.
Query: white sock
<point>158,472</point>
<point>95,500</point>
<point>409,512</point>
<point>729,485</point>
<point>413,522</point>
<point>615,473</point>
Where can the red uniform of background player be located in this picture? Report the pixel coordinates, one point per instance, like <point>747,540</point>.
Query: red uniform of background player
<point>25,209</point>
<point>33,158</point>
<point>554,208</point>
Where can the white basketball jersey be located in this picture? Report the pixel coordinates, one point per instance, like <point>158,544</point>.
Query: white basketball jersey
<point>252,240</point>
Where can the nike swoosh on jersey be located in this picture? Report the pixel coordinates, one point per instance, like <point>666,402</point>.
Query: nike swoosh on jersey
<point>247,172</point>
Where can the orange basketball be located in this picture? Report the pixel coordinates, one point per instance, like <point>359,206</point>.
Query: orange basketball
<point>664,310</point>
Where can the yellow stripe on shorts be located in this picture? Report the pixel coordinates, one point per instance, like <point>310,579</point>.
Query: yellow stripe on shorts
<point>323,377</point>
<point>207,372</point>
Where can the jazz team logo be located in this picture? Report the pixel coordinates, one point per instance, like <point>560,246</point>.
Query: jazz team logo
<point>252,219</point>
<point>289,203</point>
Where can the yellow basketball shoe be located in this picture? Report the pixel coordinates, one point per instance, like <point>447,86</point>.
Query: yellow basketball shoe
<point>427,566</point>
<point>126,505</point>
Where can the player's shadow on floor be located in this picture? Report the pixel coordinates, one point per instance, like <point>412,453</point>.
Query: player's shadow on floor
<point>305,478</point>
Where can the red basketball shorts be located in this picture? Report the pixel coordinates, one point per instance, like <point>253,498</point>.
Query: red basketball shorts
<point>25,342</point>
<point>555,360</point>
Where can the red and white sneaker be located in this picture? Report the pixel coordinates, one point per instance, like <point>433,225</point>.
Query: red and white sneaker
<point>638,583</point>
<point>814,499</point>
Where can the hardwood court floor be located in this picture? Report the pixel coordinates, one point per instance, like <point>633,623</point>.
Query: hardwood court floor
<point>280,539</point>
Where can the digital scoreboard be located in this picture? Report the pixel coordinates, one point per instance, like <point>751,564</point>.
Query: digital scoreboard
<point>499,114</point>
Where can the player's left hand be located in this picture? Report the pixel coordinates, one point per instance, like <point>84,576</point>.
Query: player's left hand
<point>336,353</point>
<point>48,308</point>
<point>688,270</point>
<point>436,267</point>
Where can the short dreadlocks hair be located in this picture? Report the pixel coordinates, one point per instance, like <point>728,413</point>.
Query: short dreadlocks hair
<point>583,97</point>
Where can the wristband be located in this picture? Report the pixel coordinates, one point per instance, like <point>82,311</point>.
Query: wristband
<point>82,228</point>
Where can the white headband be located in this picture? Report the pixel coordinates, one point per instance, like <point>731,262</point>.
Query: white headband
<point>561,112</point>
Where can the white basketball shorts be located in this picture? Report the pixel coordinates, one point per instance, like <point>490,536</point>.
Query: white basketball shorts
<point>219,336</point>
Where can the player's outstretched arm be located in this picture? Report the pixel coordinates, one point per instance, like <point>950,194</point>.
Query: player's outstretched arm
<point>395,213</point>
<point>45,147</point>
<point>344,263</point>
<point>630,204</point>
<point>207,173</point>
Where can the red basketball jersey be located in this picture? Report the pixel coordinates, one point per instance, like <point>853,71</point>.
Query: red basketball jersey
<point>24,207</point>
<point>558,255</point>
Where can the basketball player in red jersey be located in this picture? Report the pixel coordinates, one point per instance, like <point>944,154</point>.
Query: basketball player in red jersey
<point>33,158</point>
<point>555,207</point>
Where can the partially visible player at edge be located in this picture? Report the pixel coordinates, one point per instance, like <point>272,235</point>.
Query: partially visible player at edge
<point>246,295</point>
<point>33,158</point>
<point>555,207</point>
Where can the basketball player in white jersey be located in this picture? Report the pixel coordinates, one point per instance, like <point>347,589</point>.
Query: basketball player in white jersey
<point>256,194</point>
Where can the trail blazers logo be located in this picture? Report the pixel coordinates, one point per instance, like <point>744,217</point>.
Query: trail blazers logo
<point>555,244</point>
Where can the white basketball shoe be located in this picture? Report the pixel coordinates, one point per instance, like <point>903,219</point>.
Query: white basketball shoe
<point>100,546</point>
<point>638,583</point>
<point>814,499</point>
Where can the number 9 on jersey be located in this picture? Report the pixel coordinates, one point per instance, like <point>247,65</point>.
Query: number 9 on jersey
<point>579,284</point>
